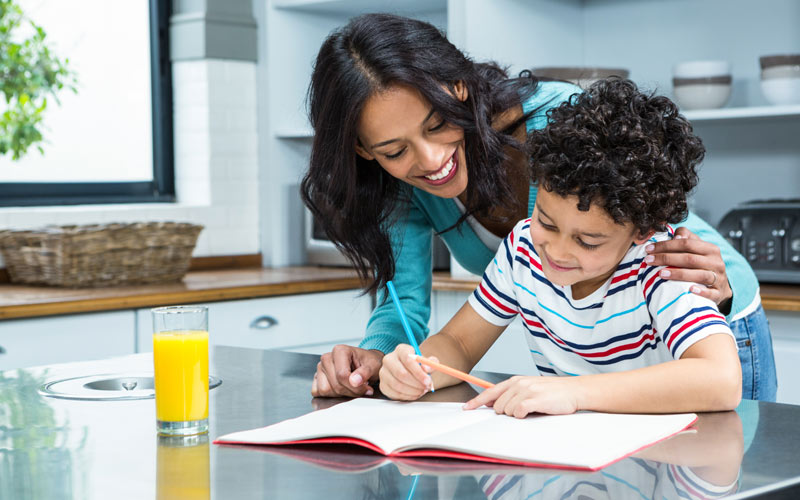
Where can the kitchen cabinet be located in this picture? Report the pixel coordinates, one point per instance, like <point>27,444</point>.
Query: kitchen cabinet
<point>311,323</point>
<point>785,327</point>
<point>61,339</point>
<point>749,143</point>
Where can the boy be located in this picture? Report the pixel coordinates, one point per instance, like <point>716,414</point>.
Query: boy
<point>613,166</point>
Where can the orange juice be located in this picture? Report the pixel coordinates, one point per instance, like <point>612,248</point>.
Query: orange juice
<point>181,375</point>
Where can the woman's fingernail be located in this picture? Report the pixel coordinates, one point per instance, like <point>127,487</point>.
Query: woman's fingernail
<point>695,289</point>
<point>356,380</point>
<point>369,392</point>
<point>649,258</point>
<point>679,237</point>
<point>665,274</point>
<point>649,248</point>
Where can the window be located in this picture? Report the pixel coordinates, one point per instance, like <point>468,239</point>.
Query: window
<point>112,141</point>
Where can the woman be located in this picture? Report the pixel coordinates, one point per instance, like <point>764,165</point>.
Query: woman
<point>410,138</point>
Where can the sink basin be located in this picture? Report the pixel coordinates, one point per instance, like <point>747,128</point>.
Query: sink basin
<point>107,387</point>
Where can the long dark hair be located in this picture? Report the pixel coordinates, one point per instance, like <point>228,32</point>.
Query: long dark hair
<point>355,199</point>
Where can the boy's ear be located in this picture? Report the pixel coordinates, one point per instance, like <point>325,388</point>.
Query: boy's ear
<point>643,237</point>
<point>360,151</point>
<point>461,90</point>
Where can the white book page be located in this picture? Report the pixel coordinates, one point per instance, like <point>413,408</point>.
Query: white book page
<point>584,439</point>
<point>386,424</point>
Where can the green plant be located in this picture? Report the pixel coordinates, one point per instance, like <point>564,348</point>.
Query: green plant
<point>29,74</point>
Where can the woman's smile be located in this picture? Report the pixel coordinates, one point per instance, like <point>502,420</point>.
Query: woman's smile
<point>445,173</point>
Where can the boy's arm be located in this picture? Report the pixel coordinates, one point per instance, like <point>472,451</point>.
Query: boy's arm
<point>460,344</point>
<point>706,378</point>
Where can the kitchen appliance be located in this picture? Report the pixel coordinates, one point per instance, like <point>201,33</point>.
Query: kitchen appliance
<point>767,233</point>
<point>321,251</point>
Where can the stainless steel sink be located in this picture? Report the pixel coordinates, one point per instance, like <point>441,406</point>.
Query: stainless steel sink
<point>107,387</point>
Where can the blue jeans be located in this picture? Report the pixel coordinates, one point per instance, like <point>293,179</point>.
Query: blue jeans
<point>754,342</point>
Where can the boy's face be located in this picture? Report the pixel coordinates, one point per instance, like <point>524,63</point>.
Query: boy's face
<point>578,248</point>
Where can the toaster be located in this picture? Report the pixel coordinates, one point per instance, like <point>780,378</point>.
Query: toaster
<point>767,234</point>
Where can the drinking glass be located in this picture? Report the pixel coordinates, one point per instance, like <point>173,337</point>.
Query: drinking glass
<point>180,359</point>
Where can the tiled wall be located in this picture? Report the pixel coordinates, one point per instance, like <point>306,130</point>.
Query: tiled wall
<point>216,164</point>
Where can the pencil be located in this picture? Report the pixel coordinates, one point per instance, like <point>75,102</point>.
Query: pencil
<point>454,373</point>
<point>404,321</point>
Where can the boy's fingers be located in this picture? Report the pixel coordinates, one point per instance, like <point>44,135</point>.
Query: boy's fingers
<point>416,369</point>
<point>487,398</point>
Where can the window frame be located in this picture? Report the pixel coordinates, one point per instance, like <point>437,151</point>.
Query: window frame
<point>162,188</point>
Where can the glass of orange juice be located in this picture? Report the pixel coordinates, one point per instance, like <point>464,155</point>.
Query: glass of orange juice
<point>180,359</point>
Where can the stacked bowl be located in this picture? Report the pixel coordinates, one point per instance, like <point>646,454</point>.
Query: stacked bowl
<point>701,84</point>
<point>582,76</point>
<point>780,78</point>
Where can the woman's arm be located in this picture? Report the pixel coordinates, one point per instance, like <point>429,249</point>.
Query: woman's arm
<point>347,370</point>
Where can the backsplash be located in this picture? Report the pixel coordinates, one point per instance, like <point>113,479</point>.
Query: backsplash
<point>216,164</point>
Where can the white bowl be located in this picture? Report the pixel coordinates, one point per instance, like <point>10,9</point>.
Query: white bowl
<point>784,71</point>
<point>781,90</point>
<point>702,96</point>
<point>701,69</point>
<point>582,76</point>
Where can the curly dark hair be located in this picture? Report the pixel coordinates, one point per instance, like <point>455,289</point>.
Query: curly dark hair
<point>355,199</point>
<point>627,151</point>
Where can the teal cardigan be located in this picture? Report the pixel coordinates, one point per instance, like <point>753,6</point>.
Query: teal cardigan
<point>412,237</point>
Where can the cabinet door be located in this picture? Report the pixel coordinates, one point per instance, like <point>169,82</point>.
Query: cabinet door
<point>509,354</point>
<point>302,323</point>
<point>62,339</point>
<point>785,328</point>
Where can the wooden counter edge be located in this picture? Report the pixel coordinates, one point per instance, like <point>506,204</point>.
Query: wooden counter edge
<point>181,297</point>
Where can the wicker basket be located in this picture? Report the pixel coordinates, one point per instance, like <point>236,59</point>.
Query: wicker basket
<point>100,255</point>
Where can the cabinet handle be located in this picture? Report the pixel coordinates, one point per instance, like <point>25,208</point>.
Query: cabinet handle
<point>263,322</point>
<point>2,350</point>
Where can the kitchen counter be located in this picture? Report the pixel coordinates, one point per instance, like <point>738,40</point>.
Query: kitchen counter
<point>55,448</point>
<point>20,301</point>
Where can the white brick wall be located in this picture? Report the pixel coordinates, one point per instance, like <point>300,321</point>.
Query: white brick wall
<point>216,164</point>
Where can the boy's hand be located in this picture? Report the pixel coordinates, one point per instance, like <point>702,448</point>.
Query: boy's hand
<point>694,260</point>
<point>519,396</point>
<point>403,378</point>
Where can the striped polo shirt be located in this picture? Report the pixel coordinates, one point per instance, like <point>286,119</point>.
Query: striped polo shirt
<point>635,319</point>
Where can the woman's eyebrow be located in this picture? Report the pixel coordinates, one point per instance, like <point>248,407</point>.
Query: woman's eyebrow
<point>384,143</point>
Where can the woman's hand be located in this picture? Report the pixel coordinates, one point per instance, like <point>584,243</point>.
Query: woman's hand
<point>346,371</point>
<point>403,378</point>
<point>694,260</point>
<point>519,396</point>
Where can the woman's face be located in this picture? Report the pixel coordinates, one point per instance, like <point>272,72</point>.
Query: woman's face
<point>400,130</point>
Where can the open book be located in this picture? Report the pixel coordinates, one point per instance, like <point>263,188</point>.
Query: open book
<point>582,441</point>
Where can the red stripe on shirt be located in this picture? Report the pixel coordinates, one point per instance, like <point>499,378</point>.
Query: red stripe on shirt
<point>677,334</point>
<point>496,302</point>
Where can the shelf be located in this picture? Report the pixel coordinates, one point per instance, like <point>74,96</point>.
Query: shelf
<point>299,133</point>
<point>749,113</point>
<point>359,6</point>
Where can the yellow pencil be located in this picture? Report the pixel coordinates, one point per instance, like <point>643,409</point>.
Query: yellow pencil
<point>453,372</point>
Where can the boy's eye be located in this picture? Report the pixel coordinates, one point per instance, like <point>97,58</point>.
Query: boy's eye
<point>547,226</point>
<point>587,246</point>
<point>395,155</point>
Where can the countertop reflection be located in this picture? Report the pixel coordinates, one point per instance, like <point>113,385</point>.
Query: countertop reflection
<point>63,449</point>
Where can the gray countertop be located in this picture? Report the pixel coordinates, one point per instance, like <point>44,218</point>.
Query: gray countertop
<point>65,449</point>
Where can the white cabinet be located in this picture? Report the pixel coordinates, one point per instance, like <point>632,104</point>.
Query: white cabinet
<point>61,339</point>
<point>312,323</point>
<point>785,327</point>
<point>509,354</point>
<point>752,148</point>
